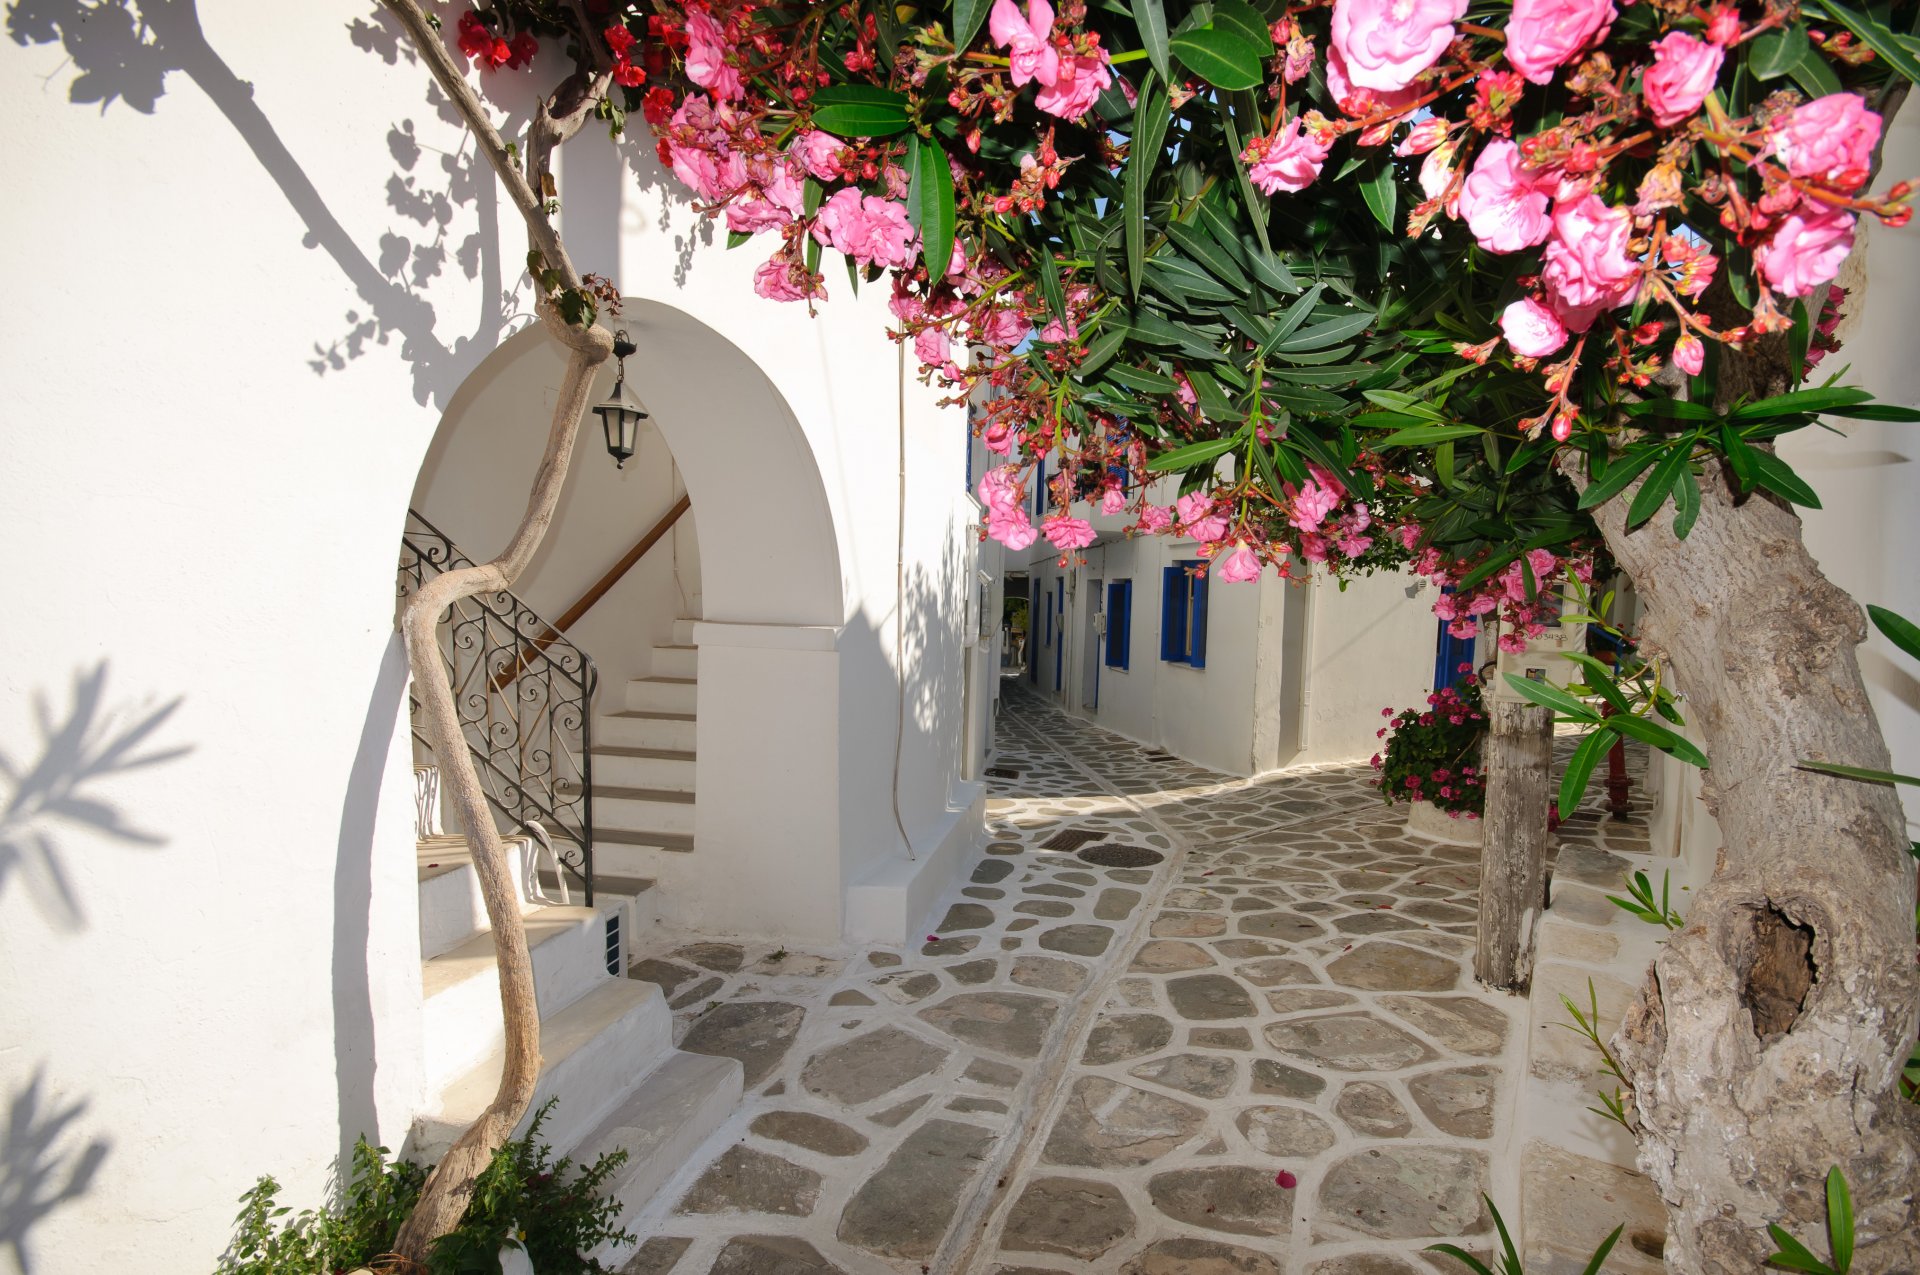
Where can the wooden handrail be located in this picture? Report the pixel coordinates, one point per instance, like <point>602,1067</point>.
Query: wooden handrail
<point>599,590</point>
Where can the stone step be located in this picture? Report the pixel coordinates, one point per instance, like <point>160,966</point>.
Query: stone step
<point>683,631</point>
<point>642,810</point>
<point>594,1053</point>
<point>660,1127</point>
<point>675,661</point>
<point>644,730</point>
<point>662,695</point>
<point>667,768</point>
<point>452,909</point>
<point>460,1013</point>
<point>636,853</point>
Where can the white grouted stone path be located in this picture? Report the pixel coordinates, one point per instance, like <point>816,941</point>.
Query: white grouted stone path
<point>1096,1068</point>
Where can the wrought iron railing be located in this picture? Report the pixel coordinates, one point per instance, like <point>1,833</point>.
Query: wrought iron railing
<point>524,695</point>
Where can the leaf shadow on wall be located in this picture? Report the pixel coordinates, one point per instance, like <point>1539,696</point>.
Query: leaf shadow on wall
<point>123,51</point>
<point>92,744</point>
<point>42,1165</point>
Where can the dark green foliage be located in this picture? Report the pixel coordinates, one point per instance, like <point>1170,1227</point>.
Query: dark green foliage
<point>554,1210</point>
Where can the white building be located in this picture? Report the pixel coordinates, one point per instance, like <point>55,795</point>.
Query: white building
<point>264,304</point>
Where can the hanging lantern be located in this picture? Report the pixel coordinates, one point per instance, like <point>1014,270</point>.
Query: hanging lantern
<point>621,414</point>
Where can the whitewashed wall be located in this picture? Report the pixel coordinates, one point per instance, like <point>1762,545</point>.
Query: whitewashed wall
<point>254,269</point>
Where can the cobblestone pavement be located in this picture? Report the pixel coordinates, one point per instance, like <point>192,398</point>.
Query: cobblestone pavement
<point>1174,1023</point>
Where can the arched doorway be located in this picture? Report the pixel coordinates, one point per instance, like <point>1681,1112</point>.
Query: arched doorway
<point>715,729</point>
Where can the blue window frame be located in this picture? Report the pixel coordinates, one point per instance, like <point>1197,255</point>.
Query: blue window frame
<point>1183,615</point>
<point>1060,647</point>
<point>1119,622</point>
<point>1040,486</point>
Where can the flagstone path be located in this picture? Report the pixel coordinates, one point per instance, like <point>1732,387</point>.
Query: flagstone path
<point>1174,1023</point>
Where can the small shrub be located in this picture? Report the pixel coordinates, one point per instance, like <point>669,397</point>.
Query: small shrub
<point>1433,754</point>
<point>552,1209</point>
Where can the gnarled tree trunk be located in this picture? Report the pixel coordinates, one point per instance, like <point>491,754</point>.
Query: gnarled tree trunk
<point>448,1189</point>
<point>1766,1043</point>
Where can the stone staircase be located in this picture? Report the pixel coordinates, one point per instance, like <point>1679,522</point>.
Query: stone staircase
<point>643,763</point>
<point>606,1041</point>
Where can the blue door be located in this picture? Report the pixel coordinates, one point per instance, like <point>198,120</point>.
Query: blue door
<point>1060,642</point>
<point>1453,657</point>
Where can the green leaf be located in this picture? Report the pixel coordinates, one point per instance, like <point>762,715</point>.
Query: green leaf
<point>1899,630</point>
<point>1777,52</point>
<point>1659,737</point>
<point>1047,266</point>
<point>1192,454</point>
<point>1600,1254</point>
<point>1653,492</point>
<point>1186,281</point>
<point>1859,772</point>
<point>1332,332</point>
<point>1232,15</point>
<point>1587,755</point>
<point>1150,19</point>
<point>1814,75</point>
<point>737,237</point>
<point>1426,435</point>
<point>1600,678</point>
<point>1839,1220</point>
<point>859,110</point>
<point>1678,409</point>
<point>1800,402</point>
<point>1794,1255</point>
<point>1876,37</point>
<point>1621,471</point>
<point>1686,502</point>
<point>1547,695</point>
<point>1202,247</point>
<point>1380,192</point>
<point>1285,326</point>
<point>1778,477</point>
<point>1257,207</point>
<point>930,205</point>
<point>1739,454</point>
<point>1266,268</point>
<point>1222,58</point>
<point>1876,412</point>
<point>1103,348</point>
<point>1459,1254</point>
<point>968,15</point>
<point>1143,156</point>
<point>1139,381</point>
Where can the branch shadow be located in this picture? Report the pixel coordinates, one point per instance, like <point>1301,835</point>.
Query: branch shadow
<point>125,50</point>
<point>87,747</point>
<point>42,1165</point>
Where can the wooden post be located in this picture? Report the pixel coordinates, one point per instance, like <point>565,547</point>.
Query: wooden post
<point>1518,761</point>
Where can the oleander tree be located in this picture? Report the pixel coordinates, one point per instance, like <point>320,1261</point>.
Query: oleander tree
<point>1490,290</point>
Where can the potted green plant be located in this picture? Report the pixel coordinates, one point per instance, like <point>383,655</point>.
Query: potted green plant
<point>1431,761</point>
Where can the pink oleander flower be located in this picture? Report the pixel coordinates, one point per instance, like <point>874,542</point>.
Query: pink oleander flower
<point>1830,138</point>
<point>1680,78</point>
<point>782,278</point>
<point>1436,172</point>
<point>1239,566</point>
<point>999,438</point>
<point>1005,328</point>
<point>997,488</point>
<point>1463,629</point>
<point>1031,55</point>
<point>841,221</point>
<point>1586,267</point>
<point>707,58</point>
<point>1532,329</point>
<point>1424,137</point>
<point>1200,518</point>
<point>1155,518</point>
<point>1113,501</point>
<point>1358,100</point>
<point>1805,250</point>
<point>1012,528</point>
<point>1512,643</point>
<point>1386,43</point>
<point>1503,202</point>
<point>1066,533</point>
<point>819,154</point>
<point>1290,161</point>
<point>932,347</point>
<point>886,236</point>
<point>1689,355</point>
<point>1081,79</point>
<point>1545,34</point>
<point>1311,505</point>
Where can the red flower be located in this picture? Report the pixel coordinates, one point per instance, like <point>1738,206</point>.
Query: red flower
<point>620,40</point>
<point>657,106</point>
<point>1285,1180</point>
<point>627,75</point>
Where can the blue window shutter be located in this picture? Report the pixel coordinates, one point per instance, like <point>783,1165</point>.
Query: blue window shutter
<point>1198,642</point>
<point>1172,614</point>
<point>1119,622</point>
<point>1040,486</point>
